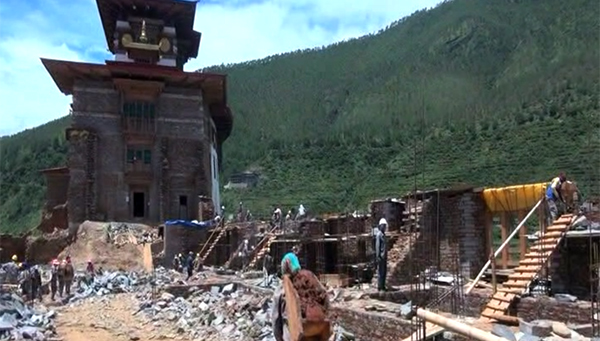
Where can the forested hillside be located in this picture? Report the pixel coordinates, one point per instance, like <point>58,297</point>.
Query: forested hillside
<point>479,92</point>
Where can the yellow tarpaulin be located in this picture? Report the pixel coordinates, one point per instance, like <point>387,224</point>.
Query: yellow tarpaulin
<point>514,198</point>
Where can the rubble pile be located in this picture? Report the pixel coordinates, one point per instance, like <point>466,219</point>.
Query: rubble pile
<point>314,300</point>
<point>234,315</point>
<point>121,282</point>
<point>19,321</point>
<point>9,273</point>
<point>123,233</point>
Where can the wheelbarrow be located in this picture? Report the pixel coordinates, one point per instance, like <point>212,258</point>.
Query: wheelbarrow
<point>301,329</point>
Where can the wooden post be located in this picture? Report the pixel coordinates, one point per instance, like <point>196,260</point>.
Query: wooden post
<point>505,232</point>
<point>493,263</point>
<point>489,230</point>
<point>522,236</point>
<point>542,218</point>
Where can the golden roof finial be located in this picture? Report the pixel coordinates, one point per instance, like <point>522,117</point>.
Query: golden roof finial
<point>143,37</point>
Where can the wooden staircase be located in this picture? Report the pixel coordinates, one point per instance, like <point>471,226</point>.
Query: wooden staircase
<point>534,261</point>
<point>262,249</point>
<point>215,237</point>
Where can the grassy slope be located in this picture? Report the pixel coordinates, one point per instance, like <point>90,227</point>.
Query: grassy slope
<point>488,93</point>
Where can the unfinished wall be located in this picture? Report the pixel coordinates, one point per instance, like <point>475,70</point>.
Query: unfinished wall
<point>181,239</point>
<point>546,308</point>
<point>391,210</point>
<point>458,218</point>
<point>315,227</point>
<point>12,245</point>
<point>570,266</point>
<point>57,186</point>
<point>372,325</point>
<point>56,217</point>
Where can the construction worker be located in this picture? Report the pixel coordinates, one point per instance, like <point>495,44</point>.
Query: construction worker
<point>69,275</point>
<point>267,266</point>
<point>276,219</point>
<point>381,254</point>
<point>61,277</point>
<point>54,278</point>
<point>301,212</point>
<point>175,263</point>
<point>245,253</point>
<point>12,270</point>
<point>197,263</point>
<point>290,264</point>
<point>553,195</point>
<point>25,280</point>
<point>90,272</point>
<point>36,283</point>
<point>189,265</point>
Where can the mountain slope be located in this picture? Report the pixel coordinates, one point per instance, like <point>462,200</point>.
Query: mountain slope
<point>487,93</point>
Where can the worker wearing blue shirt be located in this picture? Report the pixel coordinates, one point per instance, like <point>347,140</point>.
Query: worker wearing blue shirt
<point>553,195</point>
<point>290,264</point>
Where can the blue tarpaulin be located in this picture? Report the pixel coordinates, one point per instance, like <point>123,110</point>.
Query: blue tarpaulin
<point>192,224</point>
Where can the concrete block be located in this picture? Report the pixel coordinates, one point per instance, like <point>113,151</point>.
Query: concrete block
<point>583,329</point>
<point>561,330</point>
<point>539,328</point>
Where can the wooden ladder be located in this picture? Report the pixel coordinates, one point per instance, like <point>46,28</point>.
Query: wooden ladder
<point>204,253</point>
<point>266,241</point>
<point>533,262</point>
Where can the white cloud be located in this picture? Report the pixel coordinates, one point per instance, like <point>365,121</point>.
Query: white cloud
<point>232,31</point>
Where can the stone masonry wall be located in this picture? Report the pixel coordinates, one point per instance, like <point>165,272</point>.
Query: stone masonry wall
<point>372,325</point>
<point>57,186</point>
<point>181,239</point>
<point>472,233</point>
<point>180,118</point>
<point>570,268</point>
<point>462,233</point>
<point>548,308</point>
<point>77,153</point>
<point>96,108</point>
<point>188,156</point>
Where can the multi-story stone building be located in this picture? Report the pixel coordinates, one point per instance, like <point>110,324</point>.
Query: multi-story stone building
<point>145,140</point>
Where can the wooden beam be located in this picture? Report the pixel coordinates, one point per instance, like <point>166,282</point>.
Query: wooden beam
<point>522,236</point>
<point>504,226</point>
<point>541,212</point>
<point>489,228</point>
<point>505,231</point>
<point>493,261</point>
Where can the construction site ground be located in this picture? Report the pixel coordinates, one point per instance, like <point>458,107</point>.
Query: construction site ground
<point>117,317</point>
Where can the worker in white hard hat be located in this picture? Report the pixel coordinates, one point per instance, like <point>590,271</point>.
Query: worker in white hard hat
<point>381,254</point>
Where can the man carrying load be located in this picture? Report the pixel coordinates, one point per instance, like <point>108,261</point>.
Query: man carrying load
<point>553,195</point>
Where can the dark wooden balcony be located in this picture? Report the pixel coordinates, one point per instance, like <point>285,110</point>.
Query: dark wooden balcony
<point>139,125</point>
<point>139,129</point>
<point>138,172</point>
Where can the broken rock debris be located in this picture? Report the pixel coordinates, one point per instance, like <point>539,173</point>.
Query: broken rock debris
<point>19,321</point>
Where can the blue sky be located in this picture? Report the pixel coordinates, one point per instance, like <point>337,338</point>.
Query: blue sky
<point>232,31</point>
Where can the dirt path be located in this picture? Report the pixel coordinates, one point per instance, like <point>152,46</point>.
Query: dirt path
<point>107,319</point>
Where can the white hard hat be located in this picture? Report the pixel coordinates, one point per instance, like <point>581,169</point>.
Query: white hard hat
<point>382,221</point>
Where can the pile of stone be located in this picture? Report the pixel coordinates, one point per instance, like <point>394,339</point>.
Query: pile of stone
<point>115,282</point>
<point>547,330</point>
<point>124,233</point>
<point>222,311</point>
<point>9,273</point>
<point>19,321</point>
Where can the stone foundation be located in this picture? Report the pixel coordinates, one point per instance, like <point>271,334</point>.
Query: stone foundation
<point>372,325</point>
<point>546,308</point>
<point>472,305</point>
